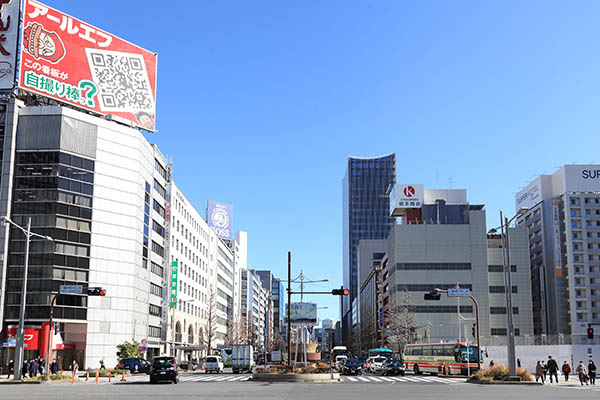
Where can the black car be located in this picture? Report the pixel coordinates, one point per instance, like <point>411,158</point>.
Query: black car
<point>164,369</point>
<point>134,365</point>
<point>351,366</point>
<point>393,367</point>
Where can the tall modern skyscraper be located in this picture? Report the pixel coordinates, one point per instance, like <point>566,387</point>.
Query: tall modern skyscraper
<point>366,215</point>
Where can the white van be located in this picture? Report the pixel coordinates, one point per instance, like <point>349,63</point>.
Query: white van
<point>213,364</point>
<point>338,362</point>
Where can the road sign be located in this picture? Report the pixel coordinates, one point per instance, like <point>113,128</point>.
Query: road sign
<point>71,289</point>
<point>143,349</point>
<point>12,340</point>
<point>144,342</point>
<point>459,292</point>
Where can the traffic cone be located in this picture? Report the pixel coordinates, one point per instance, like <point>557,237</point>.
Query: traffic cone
<point>96,376</point>
<point>73,377</point>
<point>123,376</point>
<point>109,374</point>
<point>87,376</point>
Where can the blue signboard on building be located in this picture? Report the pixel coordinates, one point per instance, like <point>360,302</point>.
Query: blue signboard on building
<point>220,218</point>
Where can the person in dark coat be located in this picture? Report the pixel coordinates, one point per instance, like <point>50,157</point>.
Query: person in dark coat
<point>11,369</point>
<point>552,366</point>
<point>54,367</point>
<point>592,372</point>
<point>25,370</point>
<point>566,370</point>
<point>33,368</point>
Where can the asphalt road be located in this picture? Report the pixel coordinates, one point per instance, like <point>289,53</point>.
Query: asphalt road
<point>134,390</point>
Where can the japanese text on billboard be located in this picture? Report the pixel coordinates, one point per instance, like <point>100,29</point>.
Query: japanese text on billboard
<point>70,61</point>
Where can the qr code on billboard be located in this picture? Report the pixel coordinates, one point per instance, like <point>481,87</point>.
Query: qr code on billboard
<point>122,80</point>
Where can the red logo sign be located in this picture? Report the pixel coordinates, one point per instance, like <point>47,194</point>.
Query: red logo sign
<point>31,337</point>
<point>409,191</point>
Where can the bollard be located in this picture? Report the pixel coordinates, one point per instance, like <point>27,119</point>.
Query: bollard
<point>87,376</point>
<point>123,376</point>
<point>96,376</point>
<point>109,374</point>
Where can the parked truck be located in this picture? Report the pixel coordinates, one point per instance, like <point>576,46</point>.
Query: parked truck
<point>242,358</point>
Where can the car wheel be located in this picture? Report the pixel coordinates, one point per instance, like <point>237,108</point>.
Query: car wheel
<point>175,381</point>
<point>416,370</point>
<point>402,373</point>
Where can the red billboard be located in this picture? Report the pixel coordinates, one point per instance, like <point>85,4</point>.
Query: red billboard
<point>32,336</point>
<point>70,61</point>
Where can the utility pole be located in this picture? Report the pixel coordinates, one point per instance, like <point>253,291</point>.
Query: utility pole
<point>289,311</point>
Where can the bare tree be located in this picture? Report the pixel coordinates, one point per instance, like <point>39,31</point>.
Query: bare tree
<point>401,319</point>
<point>210,332</point>
<point>234,330</point>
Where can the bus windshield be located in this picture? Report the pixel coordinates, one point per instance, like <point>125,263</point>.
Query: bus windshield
<point>387,353</point>
<point>469,354</point>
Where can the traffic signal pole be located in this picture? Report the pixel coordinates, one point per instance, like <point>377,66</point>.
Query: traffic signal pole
<point>289,311</point>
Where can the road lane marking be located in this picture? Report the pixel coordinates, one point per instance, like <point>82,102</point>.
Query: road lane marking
<point>352,379</point>
<point>363,379</point>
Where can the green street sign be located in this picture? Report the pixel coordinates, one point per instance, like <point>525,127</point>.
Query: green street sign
<point>173,284</point>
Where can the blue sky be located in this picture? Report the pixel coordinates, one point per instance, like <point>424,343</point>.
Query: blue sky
<point>260,103</point>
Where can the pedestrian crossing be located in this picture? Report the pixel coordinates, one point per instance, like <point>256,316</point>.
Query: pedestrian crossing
<point>214,378</point>
<point>399,379</point>
<point>412,379</point>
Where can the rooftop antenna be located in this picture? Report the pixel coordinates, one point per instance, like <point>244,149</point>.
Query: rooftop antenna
<point>450,182</point>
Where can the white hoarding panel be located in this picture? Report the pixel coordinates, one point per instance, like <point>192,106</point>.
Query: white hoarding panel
<point>582,178</point>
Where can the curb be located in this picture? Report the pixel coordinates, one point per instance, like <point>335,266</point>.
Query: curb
<point>478,382</point>
<point>298,378</point>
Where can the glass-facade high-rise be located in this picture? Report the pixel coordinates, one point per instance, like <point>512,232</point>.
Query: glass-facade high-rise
<point>366,215</point>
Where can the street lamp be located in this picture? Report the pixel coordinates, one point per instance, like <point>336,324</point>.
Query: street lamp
<point>19,349</point>
<point>504,224</point>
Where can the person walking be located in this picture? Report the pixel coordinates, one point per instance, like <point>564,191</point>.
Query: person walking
<point>545,367</point>
<point>54,367</point>
<point>25,370</point>
<point>566,370</point>
<point>102,364</point>
<point>11,369</point>
<point>539,372</point>
<point>32,368</point>
<point>582,373</point>
<point>552,366</point>
<point>518,363</point>
<point>592,372</point>
<point>74,367</point>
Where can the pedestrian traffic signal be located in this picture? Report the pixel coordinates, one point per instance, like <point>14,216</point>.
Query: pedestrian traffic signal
<point>433,295</point>
<point>340,292</point>
<point>96,291</point>
<point>590,333</point>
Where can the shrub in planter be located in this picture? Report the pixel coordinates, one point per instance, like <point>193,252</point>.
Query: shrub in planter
<point>499,372</point>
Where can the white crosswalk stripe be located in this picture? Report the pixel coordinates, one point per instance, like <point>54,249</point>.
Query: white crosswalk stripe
<point>398,379</point>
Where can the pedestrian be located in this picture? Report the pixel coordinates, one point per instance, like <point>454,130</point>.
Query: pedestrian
<point>32,368</point>
<point>592,372</point>
<point>74,367</point>
<point>539,372</point>
<point>545,369</point>
<point>11,369</point>
<point>25,370</point>
<point>566,370</point>
<point>54,367</point>
<point>102,363</point>
<point>41,364</point>
<point>552,366</point>
<point>582,373</point>
<point>518,363</point>
<point>491,363</point>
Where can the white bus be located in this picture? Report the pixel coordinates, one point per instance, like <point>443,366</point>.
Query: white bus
<point>441,358</point>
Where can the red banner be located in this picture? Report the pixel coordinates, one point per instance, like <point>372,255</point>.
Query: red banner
<point>32,337</point>
<point>68,60</point>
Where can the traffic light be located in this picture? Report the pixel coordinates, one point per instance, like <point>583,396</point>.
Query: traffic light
<point>473,332</point>
<point>96,291</point>
<point>590,332</point>
<point>340,292</point>
<point>433,295</point>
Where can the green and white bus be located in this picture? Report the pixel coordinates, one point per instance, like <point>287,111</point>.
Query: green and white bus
<point>387,353</point>
<point>441,358</point>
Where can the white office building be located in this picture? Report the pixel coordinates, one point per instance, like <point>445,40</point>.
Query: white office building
<point>563,220</point>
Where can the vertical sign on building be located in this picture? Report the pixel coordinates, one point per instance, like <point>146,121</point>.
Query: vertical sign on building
<point>556,236</point>
<point>220,216</point>
<point>173,284</point>
<point>9,29</point>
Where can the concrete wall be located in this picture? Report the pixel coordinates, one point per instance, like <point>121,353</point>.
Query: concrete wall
<point>529,355</point>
